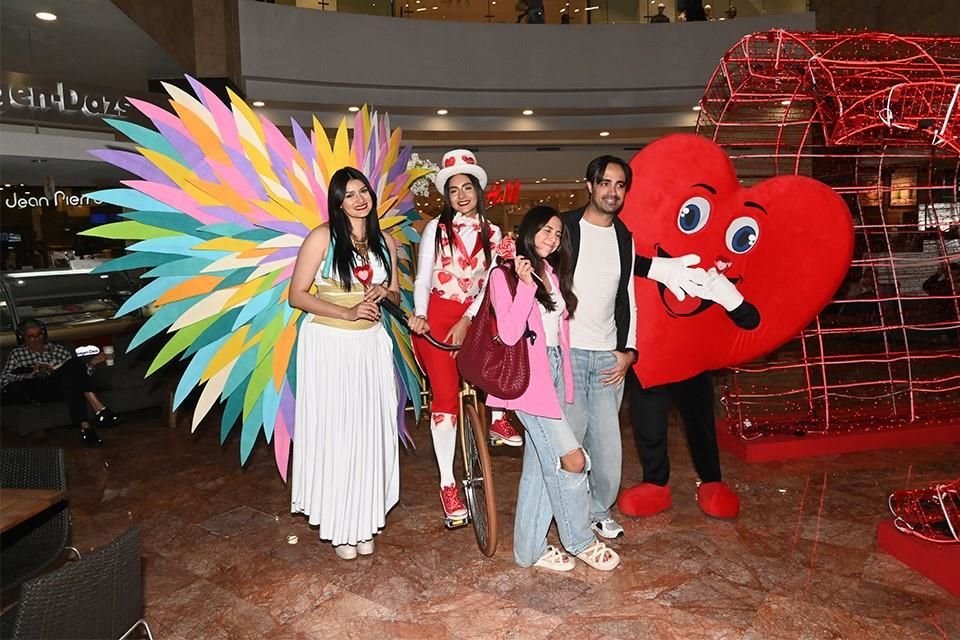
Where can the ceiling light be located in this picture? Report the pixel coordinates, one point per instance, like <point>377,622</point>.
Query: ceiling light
<point>434,8</point>
<point>46,16</point>
<point>528,112</point>
<point>604,134</point>
<point>785,103</point>
<point>259,103</point>
<point>38,161</point>
<point>697,108</point>
<point>576,10</point>
<point>353,109</point>
<point>419,9</point>
<point>593,8</point>
<point>442,112</point>
<point>7,186</point>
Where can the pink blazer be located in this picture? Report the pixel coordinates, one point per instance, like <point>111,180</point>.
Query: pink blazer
<point>513,314</point>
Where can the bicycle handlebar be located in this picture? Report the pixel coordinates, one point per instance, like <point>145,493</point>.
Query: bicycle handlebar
<point>393,309</point>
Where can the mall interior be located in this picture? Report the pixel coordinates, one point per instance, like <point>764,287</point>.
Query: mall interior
<point>223,557</point>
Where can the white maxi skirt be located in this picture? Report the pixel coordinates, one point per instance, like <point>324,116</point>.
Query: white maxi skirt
<point>346,467</point>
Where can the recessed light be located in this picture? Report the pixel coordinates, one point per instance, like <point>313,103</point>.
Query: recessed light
<point>7,186</point>
<point>785,103</point>
<point>528,112</point>
<point>258,103</point>
<point>38,161</point>
<point>434,8</point>
<point>353,109</point>
<point>46,16</point>
<point>604,134</point>
<point>442,112</point>
<point>697,108</point>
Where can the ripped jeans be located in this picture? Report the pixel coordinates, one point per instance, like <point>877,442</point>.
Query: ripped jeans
<point>547,491</point>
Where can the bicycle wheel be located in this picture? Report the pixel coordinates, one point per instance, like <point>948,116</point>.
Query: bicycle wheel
<point>478,482</point>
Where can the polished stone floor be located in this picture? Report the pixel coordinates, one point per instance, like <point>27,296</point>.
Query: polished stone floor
<point>800,562</point>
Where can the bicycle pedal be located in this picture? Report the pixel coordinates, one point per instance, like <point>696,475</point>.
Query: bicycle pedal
<point>456,523</point>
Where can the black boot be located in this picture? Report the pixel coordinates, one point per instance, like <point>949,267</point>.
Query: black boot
<point>90,438</point>
<point>107,418</point>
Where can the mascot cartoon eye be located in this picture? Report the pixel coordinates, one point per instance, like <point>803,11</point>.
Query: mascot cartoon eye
<point>693,214</point>
<point>742,234</point>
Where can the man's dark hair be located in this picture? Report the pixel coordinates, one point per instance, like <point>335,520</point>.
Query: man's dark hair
<point>598,166</point>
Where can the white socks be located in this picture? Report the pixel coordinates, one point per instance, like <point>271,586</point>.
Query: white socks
<point>443,428</point>
<point>495,414</point>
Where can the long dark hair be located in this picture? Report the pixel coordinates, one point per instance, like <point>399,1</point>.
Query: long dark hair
<point>345,256</point>
<point>445,221</point>
<point>561,260</point>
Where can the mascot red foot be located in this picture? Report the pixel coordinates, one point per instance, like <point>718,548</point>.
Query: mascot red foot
<point>726,274</point>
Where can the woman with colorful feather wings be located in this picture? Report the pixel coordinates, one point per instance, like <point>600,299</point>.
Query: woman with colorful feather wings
<point>221,206</point>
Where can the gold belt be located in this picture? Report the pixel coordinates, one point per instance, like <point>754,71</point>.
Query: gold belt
<point>345,299</point>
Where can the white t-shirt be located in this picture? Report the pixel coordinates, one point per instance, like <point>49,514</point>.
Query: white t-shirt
<point>595,283</point>
<point>551,319</point>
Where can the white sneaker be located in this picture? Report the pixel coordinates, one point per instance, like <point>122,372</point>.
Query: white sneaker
<point>365,547</point>
<point>345,551</point>
<point>607,528</point>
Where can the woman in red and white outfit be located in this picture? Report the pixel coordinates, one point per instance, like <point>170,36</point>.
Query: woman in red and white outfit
<point>455,257</point>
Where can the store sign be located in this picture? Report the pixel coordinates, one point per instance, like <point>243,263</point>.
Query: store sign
<point>59,198</point>
<point>503,193</point>
<point>61,99</point>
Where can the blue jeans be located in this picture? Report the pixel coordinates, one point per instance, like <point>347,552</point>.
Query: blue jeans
<point>594,417</point>
<point>547,491</point>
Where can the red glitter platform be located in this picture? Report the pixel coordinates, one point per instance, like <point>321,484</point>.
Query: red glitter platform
<point>788,447</point>
<point>938,562</point>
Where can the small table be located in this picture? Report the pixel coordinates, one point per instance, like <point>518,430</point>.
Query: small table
<point>19,505</point>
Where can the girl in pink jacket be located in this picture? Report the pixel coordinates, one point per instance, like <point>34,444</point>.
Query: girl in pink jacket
<point>553,483</point>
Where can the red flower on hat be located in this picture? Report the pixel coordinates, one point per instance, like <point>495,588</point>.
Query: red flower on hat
<point>449,162</point>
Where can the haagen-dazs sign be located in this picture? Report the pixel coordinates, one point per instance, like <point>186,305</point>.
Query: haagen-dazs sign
<point>61,99</point>
<point>60,198</point>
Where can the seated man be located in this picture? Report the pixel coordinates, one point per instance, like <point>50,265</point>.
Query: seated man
<point>40,371</point>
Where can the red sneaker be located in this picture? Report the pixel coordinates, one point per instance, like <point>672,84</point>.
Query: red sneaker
<point>453,506</point>
<point>502,432</point>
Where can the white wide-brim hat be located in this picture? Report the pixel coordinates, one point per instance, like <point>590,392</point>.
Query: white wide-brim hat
<point>456,162</point>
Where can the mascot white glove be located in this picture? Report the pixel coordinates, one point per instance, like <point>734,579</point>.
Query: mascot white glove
<point>719,289</point>
<point>677,276</point>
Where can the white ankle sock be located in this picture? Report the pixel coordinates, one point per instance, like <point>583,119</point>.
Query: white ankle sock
<point>443,428</point>
<point>495,414</point>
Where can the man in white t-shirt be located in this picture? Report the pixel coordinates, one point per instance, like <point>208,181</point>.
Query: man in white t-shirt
<point>603,332</point>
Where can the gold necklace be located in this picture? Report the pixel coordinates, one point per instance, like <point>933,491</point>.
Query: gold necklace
<point>360,246</point>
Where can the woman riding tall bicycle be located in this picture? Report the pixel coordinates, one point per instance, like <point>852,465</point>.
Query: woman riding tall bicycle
<point>455,258</point>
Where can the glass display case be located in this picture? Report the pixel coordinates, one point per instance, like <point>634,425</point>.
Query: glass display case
<point>73,303</point>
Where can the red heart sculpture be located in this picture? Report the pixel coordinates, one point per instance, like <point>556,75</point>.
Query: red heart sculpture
<point>785,242</point>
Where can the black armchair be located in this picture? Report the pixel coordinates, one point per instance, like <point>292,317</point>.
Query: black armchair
<point>35,545</point>
<point>99,596</point>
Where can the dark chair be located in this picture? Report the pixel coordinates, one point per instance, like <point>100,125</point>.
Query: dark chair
<point>99,596</point>
<point>35,545</point>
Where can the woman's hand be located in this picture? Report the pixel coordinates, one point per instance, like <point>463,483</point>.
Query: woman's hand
<point>418,325</point>
<point>458,332</point>
<point>375,293</point>
<point>364,310</point>
<point>524,269</point>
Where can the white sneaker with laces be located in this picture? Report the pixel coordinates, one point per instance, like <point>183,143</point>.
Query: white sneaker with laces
<point>607,528</point>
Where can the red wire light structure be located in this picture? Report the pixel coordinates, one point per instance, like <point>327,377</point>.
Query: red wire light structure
<point>877,117</point>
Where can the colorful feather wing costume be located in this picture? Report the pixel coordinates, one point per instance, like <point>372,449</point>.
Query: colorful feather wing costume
<point>220,209</point>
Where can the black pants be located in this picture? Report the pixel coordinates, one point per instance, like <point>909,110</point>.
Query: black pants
<point>649,412</point>
<point>67,384</point>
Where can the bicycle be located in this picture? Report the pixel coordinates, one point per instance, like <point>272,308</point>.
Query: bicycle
<point>477,467</point>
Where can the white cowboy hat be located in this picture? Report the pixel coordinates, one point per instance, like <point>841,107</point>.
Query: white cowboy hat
<point>456,162</point>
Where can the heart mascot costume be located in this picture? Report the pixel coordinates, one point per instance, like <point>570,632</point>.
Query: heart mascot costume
<point>766,260</point>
